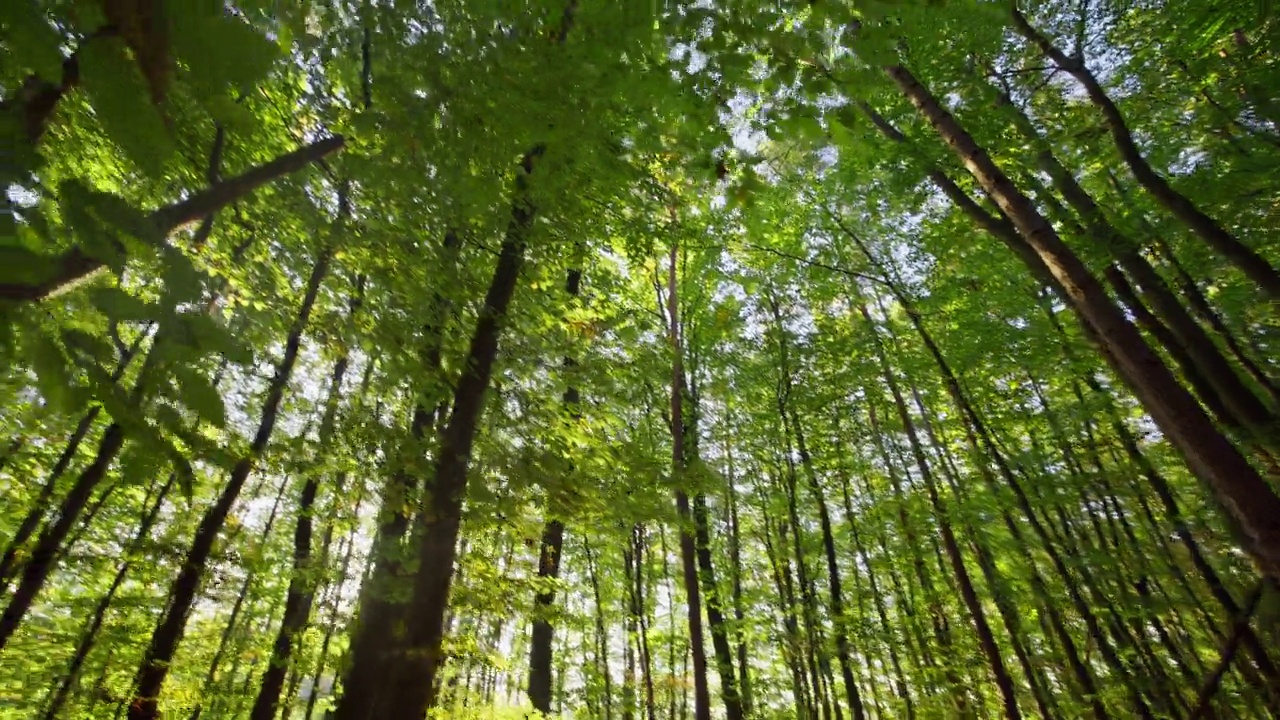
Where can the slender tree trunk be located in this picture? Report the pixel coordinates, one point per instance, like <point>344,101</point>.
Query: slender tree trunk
<point>90,634</point>
<point>844,649</point>
<point>1249,262</point>
<point>602,633</point>
<point>1246,496</point>
<point>735,568</point>
<point>302,582</point>
<point>407,689</point>
<point>549,549</point>
<point>168,634</point>
<point>1185,335</point>
<point>793,650</point>
<point>50,542</point>
<point>878,598</point>
<point>9,561</point>
<point>680,435</point>
<point>986,638</point>
<point>715,613</point>
<point>642,615</point>
<point>975,427</point>
<point>211,688</point>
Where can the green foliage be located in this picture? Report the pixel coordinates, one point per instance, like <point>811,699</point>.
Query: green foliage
<point>820,268</point>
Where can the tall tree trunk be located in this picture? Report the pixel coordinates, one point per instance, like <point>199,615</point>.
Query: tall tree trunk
<point>986,638</point>
<point>601,632</point>
<point>680,436</point>
<point>406,690</point>
<point>642,616</point>
<point>9,563</point>
<point>878,599</point>
<point>90,634</point>
<point>302,582</point>
<point>51,540</point>
<point>844,649</point>
<point>1243,492</point>
<point>735,570</point>
<point>549,549</point>
<point>976,433</point>
<point>211,689</point>
<point>1249,262</point>
<point>793,652</point>
<point>715,613</point>
<point>182,595</point>
<point>1186,336</point>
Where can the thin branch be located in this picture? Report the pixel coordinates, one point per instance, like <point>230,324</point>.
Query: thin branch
<point>74,267</point>
<point>1229,649</point>
<point>815,263</point>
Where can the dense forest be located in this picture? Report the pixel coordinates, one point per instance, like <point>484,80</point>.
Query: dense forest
<point>826,359</point>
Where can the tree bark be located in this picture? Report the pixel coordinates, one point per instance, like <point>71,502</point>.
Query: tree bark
<point>9,563</point>
<point>90,634</point>
<point>1239,487</point>
<point>407,690</point>
<point>549,549</point>
<point>182,594</point>
<point>1249,262</point>
<point>302,582</point>
<point>986,638</point>
<point>679,464</point>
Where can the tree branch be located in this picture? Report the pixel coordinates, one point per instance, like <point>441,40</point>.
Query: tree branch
<point>1229,649</point>
<point>74,267</point>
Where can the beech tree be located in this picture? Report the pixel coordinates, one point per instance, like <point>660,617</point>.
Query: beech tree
<point>883,359</point>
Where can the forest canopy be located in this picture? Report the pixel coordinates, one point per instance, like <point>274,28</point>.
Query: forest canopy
<point>385,359</point>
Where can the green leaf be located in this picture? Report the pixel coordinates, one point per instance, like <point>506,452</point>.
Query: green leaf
<point>183,282</point>
<point>53,374</point>
<point>20,266</point>
<point>82,343</point>
<point>31,41</point>
<point>197,393</point>
<point>122,104</point>
<point>140,464</point>
<point>219,49</point>
<point>212,336</point>
<point>120,305</point>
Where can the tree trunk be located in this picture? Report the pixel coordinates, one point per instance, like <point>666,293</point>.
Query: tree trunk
<point>302,582</point>
<point>986,638</point>
<point>1185,335</point>
<point>406,690</point>
<point>735,571</point>
<point>50,542</point>
<point>679,463</point>
<point>844,649</point>
<point>715,615</point>
<point>182,595</point>
<point>90,634</point>
<point>1249,262</point>
<point>9,562</point>
<point>1239,487</point>
<point>602,633</point>
<point>549,549</point>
